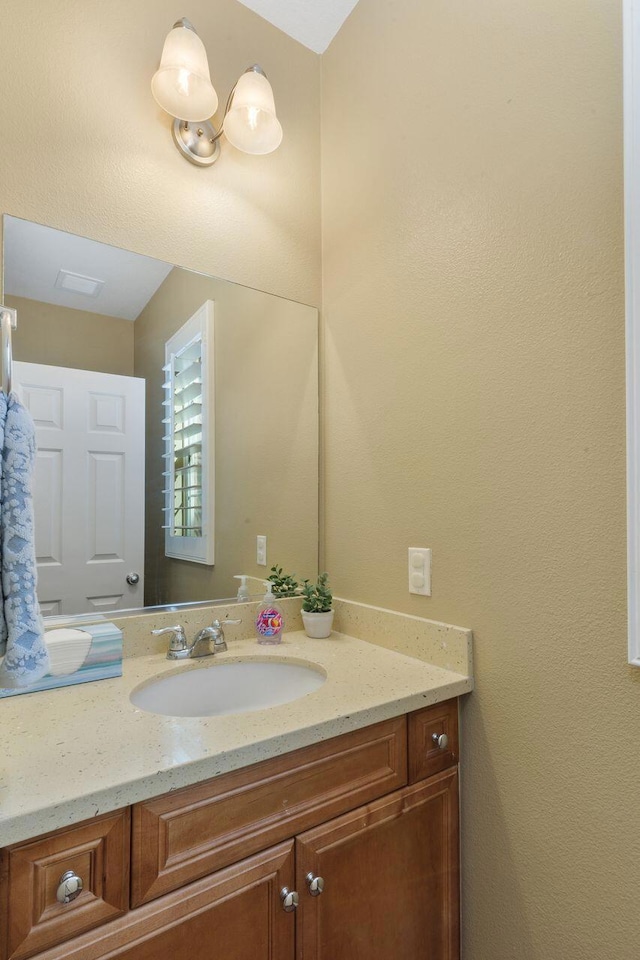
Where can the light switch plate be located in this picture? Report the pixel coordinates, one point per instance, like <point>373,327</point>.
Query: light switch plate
<point>261,551</point>
<point>420,571</point>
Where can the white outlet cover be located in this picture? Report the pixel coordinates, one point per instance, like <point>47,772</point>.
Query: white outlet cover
<point>420,571</point>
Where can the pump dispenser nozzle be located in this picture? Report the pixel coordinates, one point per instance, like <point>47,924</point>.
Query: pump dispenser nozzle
<point>243,589</point>
<point>269,595</point>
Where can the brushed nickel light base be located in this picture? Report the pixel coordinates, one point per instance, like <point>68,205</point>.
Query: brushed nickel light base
<point>198,142</point>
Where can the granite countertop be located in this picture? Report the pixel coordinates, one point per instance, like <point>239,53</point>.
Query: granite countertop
<point>75,752</point>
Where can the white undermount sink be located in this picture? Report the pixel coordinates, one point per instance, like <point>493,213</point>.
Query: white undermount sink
<point>223,688</point>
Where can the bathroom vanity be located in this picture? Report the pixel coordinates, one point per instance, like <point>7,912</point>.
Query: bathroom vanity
<point>342,848</point>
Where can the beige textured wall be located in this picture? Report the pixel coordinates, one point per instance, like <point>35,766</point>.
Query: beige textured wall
<point>474,362</point>
<point>266,434</point>
<point>85,148</point>
<point>474,402</point>
<point>62,337</point>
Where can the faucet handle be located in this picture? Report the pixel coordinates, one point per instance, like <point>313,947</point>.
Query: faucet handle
<point>178,642</point>
<point>219,643</point>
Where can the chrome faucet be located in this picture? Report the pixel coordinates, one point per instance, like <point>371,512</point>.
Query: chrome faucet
<point>206,643</point>
<point>178,646</point>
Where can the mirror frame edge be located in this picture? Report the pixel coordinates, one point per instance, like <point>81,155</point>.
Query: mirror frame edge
<point>631,124</point>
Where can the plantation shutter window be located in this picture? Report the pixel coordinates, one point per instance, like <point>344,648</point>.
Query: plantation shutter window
<point>189,442</point>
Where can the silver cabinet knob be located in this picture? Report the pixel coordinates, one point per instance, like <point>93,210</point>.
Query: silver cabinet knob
<point>315,884</point>
<point>289,899</point>
<point>69,887</point>
<point>132,579</point>
<point>441,740</point>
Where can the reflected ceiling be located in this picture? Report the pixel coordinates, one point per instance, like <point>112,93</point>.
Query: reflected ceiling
<point>313,23</point>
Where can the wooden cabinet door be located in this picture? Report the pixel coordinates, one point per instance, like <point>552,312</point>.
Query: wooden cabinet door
<point>391,875</point>
<point>234,914</point>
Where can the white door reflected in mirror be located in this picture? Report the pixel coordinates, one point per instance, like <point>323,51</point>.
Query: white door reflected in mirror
<point>89,487</point>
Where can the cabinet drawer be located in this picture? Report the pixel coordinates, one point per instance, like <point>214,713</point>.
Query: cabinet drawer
<point>190,832</point>
<point>425,726</point>
<point>235,914</point>
<point>97,851</point>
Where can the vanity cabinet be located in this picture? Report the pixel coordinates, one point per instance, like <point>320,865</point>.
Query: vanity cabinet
<point>369,860</point>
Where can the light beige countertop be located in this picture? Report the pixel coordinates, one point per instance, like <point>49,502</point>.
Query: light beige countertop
<point>72,753</point>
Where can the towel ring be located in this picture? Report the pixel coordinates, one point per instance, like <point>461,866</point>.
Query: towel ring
<point>8,322</point>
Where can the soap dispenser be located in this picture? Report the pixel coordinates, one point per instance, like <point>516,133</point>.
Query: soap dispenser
<point>269,620</point>
<point>243,589</point>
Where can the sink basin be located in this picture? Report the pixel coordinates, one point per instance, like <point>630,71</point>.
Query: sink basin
<point>227,688</point>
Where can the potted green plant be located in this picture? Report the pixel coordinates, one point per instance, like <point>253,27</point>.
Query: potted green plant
<point>317,607</point>
<point>284,584</point>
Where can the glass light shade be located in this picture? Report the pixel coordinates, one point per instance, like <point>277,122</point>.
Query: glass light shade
<point>251,124</point>
<point>182,85</point>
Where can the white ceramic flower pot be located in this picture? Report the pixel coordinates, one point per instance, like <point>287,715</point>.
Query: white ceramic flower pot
<point>317,625</point>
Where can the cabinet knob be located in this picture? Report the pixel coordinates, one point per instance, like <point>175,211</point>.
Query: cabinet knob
<point>69,887</point>
<point>441,740</point>
<point>315,884</point>
<point>289,899</point>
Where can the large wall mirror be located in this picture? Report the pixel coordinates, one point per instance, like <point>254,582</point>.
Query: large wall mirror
<point>176,419</point>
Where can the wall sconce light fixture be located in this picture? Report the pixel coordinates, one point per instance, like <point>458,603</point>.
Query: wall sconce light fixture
<point>182,86</point>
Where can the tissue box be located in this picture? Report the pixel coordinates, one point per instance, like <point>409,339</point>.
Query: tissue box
<point>78,656</point>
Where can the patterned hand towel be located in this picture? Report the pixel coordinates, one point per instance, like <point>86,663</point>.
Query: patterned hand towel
<point>21,629</point>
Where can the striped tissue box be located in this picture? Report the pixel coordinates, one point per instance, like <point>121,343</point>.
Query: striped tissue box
<point>78,656</point>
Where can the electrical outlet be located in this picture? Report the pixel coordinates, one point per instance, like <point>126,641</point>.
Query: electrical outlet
<point>261,551</point>
<point>420,571</point>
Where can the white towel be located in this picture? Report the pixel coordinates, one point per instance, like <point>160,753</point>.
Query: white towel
<point>21,629</point>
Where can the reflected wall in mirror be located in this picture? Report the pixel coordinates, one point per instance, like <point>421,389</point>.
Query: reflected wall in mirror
<point>89,355</point>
